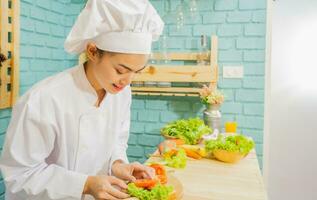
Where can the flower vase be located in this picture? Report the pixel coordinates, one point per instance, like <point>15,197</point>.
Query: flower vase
<point>212,117</point>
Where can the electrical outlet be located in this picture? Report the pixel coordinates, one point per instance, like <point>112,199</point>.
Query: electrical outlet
<point>233,72</point>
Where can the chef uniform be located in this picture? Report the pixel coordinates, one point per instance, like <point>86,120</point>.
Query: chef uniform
<point>57,137</point>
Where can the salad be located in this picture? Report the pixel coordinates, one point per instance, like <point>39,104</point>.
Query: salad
<point>233,143</point>
<point>175,158</point>
<point>152,189</point>
<point>190,130</point>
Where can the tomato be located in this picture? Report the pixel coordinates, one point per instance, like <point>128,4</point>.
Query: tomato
<point>159,169</point>
<point>170,153</point>
<point>160,173</point>
<point>162,179</point>
<point>145,183</point>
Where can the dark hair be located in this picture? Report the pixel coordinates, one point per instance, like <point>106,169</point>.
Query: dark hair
<point>2,58</point>
<point>103,52</point>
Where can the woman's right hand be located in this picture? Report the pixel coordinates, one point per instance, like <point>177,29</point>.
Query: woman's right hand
<point>105,187</point>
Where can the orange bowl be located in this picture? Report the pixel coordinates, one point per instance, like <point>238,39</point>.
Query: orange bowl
<point>167,136</point>
<point>227,156</point>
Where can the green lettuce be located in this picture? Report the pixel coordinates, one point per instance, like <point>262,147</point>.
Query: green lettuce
<point>159,192</point>
<point>232,143</point>
<point>189,130</point>
<point>177,161</point>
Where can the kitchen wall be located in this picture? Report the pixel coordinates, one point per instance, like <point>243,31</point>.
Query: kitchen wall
<point>240,25</point>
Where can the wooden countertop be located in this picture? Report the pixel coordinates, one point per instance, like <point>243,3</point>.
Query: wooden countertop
<point>207,179</point>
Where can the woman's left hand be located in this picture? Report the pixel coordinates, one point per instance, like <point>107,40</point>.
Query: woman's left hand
<point>131,172</point>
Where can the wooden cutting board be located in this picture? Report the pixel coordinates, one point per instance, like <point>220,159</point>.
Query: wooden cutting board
<point>173,181</point>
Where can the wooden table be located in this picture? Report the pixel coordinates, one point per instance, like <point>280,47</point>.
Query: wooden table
<point>213,180</point>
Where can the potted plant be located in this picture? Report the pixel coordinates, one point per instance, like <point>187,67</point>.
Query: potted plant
<point>213,99</point>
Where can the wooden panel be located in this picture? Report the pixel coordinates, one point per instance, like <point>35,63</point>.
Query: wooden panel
<point>4,95</point>
<point>9,72</point>
<point>164,94</point>
<point>169,89</point>
<point>177,74</point>
<point>16,52</point>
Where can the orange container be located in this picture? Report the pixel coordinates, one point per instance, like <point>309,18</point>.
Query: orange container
<point>231,127</point>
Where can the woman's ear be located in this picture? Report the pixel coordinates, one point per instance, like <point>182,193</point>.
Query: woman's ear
<point>92,52</point>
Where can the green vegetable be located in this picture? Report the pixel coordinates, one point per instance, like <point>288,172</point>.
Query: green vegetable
<point>159,192</point>
<point>189,130</point>
<point>177,161</point>
<point>232,143</point>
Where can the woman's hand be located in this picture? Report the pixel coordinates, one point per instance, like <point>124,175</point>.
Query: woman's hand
<point>105,187</point>
<point>131,172</point>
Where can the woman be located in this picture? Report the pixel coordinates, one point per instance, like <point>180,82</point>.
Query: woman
<point>67,138</point>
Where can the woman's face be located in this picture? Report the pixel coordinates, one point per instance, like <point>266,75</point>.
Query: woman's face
<point>114,71</point>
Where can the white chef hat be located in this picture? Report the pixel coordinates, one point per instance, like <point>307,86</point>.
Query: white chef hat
<point>123,26</point>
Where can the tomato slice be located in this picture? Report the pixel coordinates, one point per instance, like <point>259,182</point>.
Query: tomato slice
<point>162,179</point>
<point>159,169</point>
<point>145,183</point>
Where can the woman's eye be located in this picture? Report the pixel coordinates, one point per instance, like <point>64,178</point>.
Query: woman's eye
<point>119,72</point>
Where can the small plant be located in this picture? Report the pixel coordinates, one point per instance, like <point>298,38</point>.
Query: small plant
<point>210,96</point>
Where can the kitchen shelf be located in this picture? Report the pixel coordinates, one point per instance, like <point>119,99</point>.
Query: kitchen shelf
<point>9,46</point>
<point>179,74</point>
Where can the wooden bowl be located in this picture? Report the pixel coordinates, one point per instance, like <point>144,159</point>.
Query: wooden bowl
<point>167,136</point>
<point>227,156</point>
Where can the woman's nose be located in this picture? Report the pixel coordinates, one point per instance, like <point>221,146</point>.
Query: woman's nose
<point>128,79</point>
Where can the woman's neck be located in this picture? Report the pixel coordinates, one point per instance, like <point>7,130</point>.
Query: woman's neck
<point>94,83</point>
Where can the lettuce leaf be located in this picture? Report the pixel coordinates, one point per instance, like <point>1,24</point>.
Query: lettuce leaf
<point>177,161</point>
<point>159,192</point>
<point>190,130</point>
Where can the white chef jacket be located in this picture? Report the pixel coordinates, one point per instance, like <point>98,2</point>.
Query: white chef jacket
<point>57,137</point>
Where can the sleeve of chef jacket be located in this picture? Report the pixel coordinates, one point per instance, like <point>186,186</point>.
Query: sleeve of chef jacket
<point>29,141</point>
<point>121,146</point>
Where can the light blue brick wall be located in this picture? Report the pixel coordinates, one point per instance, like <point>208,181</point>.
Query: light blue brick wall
<point>240,25</point>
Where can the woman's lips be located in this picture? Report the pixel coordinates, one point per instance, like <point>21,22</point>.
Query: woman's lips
<point>117,88</point>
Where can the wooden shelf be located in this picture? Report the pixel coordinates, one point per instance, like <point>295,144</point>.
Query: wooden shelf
<point>179,56</point>
<point>177,74</point>
<point>171,73</point>
<point>168,91</point>
<point>9,87</point>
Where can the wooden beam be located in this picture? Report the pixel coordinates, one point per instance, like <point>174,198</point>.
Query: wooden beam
<point>178,56</point>
<point>8,98</point>
<point>15,51</point>
<point>5,97</point>
<point>177,74</point>
<point>169,89</point>
<point>163,94</point>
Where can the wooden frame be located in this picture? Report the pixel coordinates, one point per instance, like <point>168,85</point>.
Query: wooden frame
<point>185,73</point>
<point>9,46</point>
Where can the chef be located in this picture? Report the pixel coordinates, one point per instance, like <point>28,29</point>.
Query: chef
<point>68,135</point>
